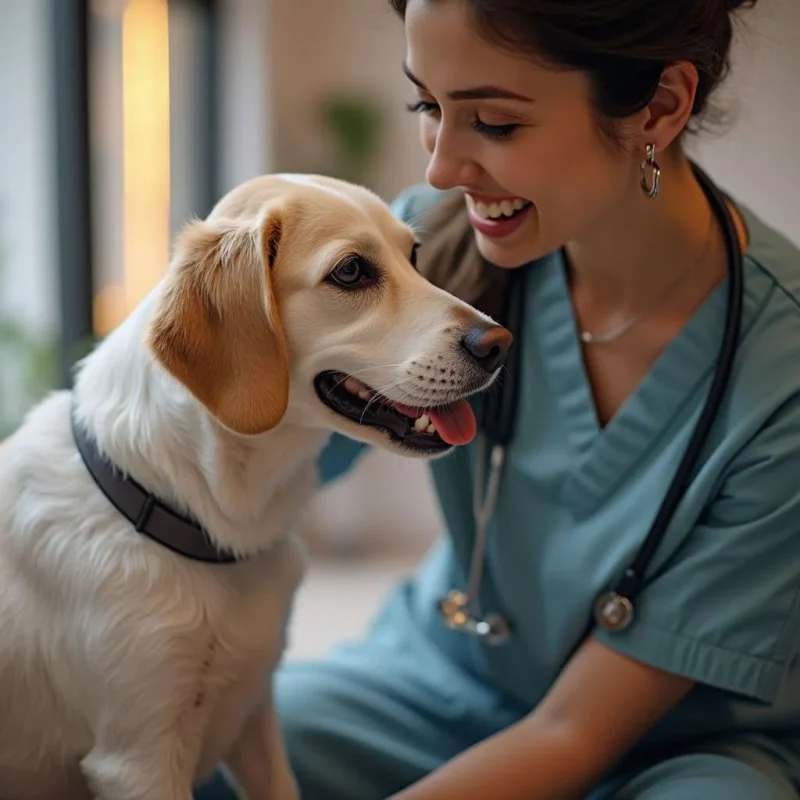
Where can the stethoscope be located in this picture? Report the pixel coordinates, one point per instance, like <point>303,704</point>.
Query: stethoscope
<point>613,609</point>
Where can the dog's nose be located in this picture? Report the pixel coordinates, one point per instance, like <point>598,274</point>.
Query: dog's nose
<point>488,345</point>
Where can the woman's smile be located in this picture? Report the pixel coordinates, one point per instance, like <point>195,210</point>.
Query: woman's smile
<point>498,217</point>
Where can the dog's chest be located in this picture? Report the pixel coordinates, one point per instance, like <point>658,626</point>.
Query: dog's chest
<point>244,646</point>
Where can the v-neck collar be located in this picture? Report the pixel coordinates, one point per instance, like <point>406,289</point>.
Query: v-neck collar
<point>603,455</point>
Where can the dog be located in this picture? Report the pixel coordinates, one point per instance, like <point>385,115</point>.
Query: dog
<point>128,671</point>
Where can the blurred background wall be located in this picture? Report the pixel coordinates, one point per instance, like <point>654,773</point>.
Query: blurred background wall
<point>119,120</point>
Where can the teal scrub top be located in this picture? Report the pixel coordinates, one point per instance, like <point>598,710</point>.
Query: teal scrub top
<point>720,604</point>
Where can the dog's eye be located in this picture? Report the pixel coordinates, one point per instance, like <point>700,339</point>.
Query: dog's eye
<point>354,272</point>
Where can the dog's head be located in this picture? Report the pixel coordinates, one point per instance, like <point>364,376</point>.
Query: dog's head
<point>297,299</point>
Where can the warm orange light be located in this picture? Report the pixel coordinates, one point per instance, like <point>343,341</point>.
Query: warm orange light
<point>109,308</point>
<point>146,146</point>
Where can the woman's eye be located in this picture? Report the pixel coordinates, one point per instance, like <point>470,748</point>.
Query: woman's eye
<point>422,107</point>
<point>353,272</point>
<point>491,131</point>
<point>494,131</point>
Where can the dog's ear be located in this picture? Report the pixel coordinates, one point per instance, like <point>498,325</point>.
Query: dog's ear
<point>217,329</point>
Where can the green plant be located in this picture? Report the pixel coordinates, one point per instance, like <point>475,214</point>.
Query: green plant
<point>28,364</point>
<point>354,124</point>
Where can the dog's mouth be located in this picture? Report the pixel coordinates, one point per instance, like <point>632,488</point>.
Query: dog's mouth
<point>428,430</point>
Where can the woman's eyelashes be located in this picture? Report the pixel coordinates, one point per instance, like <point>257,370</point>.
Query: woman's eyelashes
<point>484,128</point>
<point>421,106</point>
<point>494,131</point>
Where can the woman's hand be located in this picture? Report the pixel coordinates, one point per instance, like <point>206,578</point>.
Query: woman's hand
<point>602,703</point>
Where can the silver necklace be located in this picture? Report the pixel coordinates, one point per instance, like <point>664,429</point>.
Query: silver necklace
<point>587,337</point>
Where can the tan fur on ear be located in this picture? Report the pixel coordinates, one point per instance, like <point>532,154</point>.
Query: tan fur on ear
<point>217,328</point>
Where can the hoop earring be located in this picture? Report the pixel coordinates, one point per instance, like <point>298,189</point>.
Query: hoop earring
<point>652,187</point>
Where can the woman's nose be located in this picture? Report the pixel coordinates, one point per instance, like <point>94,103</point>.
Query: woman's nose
<point>449,167</point>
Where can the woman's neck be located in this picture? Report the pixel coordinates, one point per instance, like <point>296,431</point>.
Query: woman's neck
<point>642,245</point>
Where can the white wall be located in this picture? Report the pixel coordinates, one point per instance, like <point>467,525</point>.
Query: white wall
<point>757,159</point>
<point>318,45</point>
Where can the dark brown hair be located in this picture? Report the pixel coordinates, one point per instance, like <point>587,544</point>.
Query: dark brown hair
<point>622,46</point>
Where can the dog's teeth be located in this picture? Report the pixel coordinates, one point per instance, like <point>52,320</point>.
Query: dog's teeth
<point>353,386</point>
<point>423,424</point>
<point>357,388</point>
<point>507,207</point>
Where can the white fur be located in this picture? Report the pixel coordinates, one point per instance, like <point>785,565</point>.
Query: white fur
<point>126,672</point>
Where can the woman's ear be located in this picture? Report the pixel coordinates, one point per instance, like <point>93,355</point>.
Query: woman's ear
<point>670,109</point>
<point>216,327</point>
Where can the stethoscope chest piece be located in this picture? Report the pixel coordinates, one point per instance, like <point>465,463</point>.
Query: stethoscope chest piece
<point>455,610</point>
<point>613,612</point>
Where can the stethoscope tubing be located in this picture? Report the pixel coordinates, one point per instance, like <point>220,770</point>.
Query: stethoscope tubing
<point>632,579</point>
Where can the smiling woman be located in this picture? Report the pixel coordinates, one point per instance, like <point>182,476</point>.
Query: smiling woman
<point>503,132</point>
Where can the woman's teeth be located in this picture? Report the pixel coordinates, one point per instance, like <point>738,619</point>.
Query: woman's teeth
<point>422,424</point>
<point>503,208</point>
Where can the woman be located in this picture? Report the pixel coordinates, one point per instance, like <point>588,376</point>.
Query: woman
<point>549,124</point>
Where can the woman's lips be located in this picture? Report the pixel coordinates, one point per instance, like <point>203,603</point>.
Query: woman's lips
<point>499,217</point>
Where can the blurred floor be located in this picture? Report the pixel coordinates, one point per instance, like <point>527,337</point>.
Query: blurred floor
<point>338,597</point>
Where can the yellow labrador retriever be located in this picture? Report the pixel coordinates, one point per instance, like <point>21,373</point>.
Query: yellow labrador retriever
<point>147,563</point>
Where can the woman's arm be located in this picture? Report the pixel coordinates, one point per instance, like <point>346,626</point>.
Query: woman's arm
<point>338,457</point>
<point>600,706</point>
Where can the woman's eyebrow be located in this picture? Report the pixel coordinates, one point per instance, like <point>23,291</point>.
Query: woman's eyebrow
<point>475,93</point>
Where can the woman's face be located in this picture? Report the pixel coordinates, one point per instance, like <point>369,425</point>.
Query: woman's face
<point>518,138</point>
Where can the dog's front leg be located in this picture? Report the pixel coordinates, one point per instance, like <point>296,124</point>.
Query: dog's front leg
<point>140,757</point>
<point>134,776</point>
<point>257,761</point>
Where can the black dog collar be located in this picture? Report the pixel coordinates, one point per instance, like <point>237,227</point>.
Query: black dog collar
<point>149,515</point>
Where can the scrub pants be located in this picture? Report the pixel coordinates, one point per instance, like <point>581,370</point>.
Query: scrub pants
<point>369,721</point>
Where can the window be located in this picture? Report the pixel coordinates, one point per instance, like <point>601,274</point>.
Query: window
<point>29,305</point>
<point>108,145</point>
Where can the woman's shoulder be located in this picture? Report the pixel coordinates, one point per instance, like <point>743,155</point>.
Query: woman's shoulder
<point>773,253</point>
<point>772,286</point>
<point>768,372</point>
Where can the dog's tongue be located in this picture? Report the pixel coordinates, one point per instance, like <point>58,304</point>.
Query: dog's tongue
<point>455,423</point>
